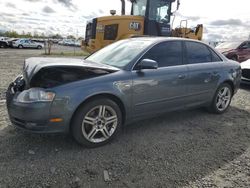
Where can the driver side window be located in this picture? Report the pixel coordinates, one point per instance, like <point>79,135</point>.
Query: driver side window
<point>166,53</point>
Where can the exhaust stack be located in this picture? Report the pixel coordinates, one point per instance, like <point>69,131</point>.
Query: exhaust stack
<point>123,7</point>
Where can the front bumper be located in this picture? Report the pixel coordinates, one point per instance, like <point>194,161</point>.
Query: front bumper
<point>245,78</point>
<point>33,117</point>
<point>245,81</point>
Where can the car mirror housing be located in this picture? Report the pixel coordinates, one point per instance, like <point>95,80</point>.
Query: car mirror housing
<point>147,64</point>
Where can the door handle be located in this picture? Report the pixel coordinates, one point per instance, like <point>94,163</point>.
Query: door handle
<point>181,76</point>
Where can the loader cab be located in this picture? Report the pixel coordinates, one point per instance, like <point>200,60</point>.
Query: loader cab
<point>157,14</point>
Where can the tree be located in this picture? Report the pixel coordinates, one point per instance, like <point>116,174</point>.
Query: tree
<point>56,36</point>
<point>12,34</point>
<point>71,37</point>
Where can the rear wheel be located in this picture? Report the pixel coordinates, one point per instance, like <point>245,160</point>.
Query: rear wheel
<point>96,122</point>
<point>39,47</point>
<point>222,99</point>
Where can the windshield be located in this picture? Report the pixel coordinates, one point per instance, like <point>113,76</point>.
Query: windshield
<point>159,10</point>
<point>121,53</point>
<point>139,7</point>
<point>231,45</point>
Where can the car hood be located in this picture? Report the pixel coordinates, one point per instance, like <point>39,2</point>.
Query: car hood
<point>35,64</point>
<point>245,64</point>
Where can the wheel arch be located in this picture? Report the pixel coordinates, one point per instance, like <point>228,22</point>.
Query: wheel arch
<point>230,82</point>
<point>112,97</point>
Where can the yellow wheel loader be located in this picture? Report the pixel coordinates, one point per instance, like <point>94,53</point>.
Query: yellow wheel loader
<point>148,18</point>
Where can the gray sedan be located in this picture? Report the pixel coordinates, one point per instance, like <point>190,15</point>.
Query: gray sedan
<point>26,43</point>
<point>129,80</point>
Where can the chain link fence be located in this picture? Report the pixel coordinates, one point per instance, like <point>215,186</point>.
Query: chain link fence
<point>64,47</point>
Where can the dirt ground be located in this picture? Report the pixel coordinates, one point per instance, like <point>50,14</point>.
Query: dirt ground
<point>186,149</point>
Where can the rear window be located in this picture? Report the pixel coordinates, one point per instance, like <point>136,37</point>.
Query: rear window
<point>197,53</point>
<point>215,57</point>
<point>166,53</point>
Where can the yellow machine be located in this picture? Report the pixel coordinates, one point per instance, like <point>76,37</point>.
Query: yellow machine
<point>185,32</point>
<point>148,18</point>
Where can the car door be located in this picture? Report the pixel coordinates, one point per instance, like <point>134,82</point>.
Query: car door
<point>162,89</point>
<point>32,44</point>
<point>203,67</point>
<point>26,44</point>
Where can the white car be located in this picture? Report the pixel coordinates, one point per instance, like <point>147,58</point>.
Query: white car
<point>26,43</point>
<point>245,67</point>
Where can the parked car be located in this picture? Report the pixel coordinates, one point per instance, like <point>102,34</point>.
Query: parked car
<point>27,43</point>
<point>78,43</point>
<point>11,41</point>
<point>245,66</point>
<point>68,42</point>
<point>3,42</point>
<point>238,51</point>
<point>128,80</point>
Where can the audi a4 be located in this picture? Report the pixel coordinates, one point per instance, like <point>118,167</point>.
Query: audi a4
<point>131,79</point>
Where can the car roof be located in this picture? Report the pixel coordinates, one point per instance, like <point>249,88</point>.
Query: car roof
<point>162,39</point>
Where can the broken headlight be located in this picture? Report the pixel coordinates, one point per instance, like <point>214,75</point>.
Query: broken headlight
<point>35,95</point>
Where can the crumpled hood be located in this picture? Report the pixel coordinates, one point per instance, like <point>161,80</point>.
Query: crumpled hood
<point>34,64</point>
<point>245,64</point>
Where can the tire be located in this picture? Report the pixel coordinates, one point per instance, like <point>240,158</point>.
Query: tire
<point>39,47</point>
<point>20,46</point>
<point>222,99</point>
<point>90,127</point>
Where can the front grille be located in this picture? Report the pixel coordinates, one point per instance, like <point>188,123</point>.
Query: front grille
<point>246,73</point>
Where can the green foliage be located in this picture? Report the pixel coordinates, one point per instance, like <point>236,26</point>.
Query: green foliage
<point>12,34</point>
<point>71,37</point>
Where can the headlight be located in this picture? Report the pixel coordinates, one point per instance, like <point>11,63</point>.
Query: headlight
<point>35,95</point>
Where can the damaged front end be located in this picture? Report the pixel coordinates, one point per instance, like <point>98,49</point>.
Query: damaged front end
<point>30,96</point>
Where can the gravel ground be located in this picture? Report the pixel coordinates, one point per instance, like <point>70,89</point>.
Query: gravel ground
<point>185,149</point>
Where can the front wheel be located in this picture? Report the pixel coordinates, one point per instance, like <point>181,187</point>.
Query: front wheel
<point>20,46</point>
<point>96,122</point>
<point>222,99</point>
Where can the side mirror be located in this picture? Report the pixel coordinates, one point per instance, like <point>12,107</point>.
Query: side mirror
<point>147,64</point>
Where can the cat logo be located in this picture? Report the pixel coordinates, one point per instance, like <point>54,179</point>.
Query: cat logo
<point>135,26</point>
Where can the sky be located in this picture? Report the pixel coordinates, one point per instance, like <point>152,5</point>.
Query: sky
<point>222,19</point>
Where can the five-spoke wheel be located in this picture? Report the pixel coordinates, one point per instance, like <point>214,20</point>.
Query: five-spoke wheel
<point>222,99</point>
<point>96,122</point>
<point>99,123</point>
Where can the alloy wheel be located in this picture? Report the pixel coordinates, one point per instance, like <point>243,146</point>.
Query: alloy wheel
<point>223,98</point>
<point>99,124</point>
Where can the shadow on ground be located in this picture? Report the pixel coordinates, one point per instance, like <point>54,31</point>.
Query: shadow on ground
<point>167,151</point>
